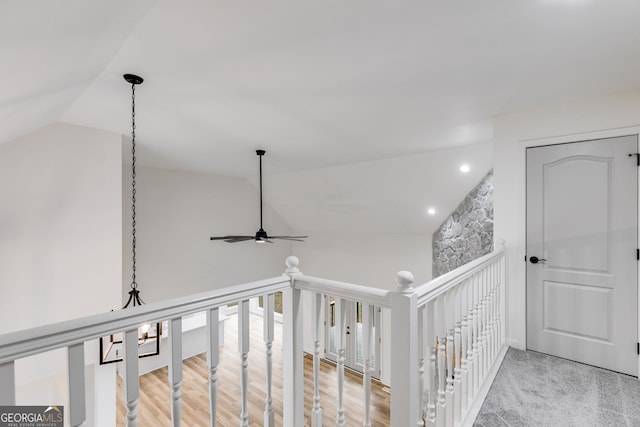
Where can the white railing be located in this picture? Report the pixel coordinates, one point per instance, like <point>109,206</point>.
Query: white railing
<point>461,340</point>
<point>342,292</point>
<point>74,333</point>
<point>450,330</point>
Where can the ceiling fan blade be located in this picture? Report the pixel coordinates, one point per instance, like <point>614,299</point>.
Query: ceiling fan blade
<point>288,237</point>
<point>236,240</point>
<point>292,238</point>
<point>231,237</point>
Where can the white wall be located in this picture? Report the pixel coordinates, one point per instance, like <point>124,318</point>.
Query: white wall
<point>367,259</point>
<point>177,212</point>
<point>60,242</point>
<point>594,118</point>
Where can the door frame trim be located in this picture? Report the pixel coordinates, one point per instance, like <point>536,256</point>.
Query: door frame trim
<point>376,339</point>
<point>521,291</point>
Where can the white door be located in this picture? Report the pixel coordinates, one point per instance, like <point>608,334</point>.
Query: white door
<point>582,240</point>
<point>354,354</point>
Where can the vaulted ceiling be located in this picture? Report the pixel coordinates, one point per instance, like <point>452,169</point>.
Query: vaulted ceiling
<point>317,84</point>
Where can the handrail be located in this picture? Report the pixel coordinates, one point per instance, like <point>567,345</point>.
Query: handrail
<point>32,341</point>
<point>429,290</point>
<point>349,291</point>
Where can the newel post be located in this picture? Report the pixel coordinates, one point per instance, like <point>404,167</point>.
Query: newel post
<point>405,397</point>
<point>7,384</point>
<point>293,374</point>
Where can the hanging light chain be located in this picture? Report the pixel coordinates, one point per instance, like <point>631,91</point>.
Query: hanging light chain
<point>134,284</point>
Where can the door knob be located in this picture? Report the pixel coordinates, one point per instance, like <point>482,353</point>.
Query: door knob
<point>535,260</point>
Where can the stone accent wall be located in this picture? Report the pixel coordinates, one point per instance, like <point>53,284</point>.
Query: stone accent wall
<point>467,233</point>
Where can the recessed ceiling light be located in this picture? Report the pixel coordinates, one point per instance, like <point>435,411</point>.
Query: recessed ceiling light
<point>431,211</point>
<point>465,168</point>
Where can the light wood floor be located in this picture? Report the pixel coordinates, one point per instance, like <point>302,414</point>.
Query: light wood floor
<point>154,406</point>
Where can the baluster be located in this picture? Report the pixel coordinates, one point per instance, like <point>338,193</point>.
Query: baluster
<point>501,304</point>
<point>485,322</point>
<point>486,272</point>
<point>449,313</point>
<point>490,319</point>
<point>367,326</point>
<point>494,327</point>
<point>213,359</point>
<point>502,265</point>
<point>441,359</point>
<point>75,360</point>
<point>490,322</point>
<point>7,384</point>
<point>316,413</point>
<point>489,316</point>
<point>487,319</point>
<point>464,332</point>
<point>243,349</point>
<point>175,369</point>
<point>496,308</point>
<point>457,354</point>
<point>477,359</point>
<point>471,368</point>
<point>421,363</point>
<point>341,318</point>
<point>430,337</point>
<point>131,376</point>
<point>268,306</point>
<point>481,331</point>
<point>485,326</point>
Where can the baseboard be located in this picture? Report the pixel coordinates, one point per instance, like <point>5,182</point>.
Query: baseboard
<point>510,342</point>
<point>476,405</point>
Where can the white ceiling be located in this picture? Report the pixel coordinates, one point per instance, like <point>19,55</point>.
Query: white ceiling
<point>317,84</point>
<point>388,196</point>
<point>346,97</point>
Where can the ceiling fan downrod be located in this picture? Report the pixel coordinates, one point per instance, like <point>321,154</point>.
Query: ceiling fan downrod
<point>261,235</point>
<point>260,153</point>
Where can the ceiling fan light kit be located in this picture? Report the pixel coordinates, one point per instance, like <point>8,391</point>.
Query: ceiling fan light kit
<point>261,235</point>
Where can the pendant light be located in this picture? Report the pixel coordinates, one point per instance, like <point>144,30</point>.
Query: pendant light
<point>148,335</point>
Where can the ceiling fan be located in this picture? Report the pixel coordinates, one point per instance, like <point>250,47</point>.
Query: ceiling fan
<point>261,236</point>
